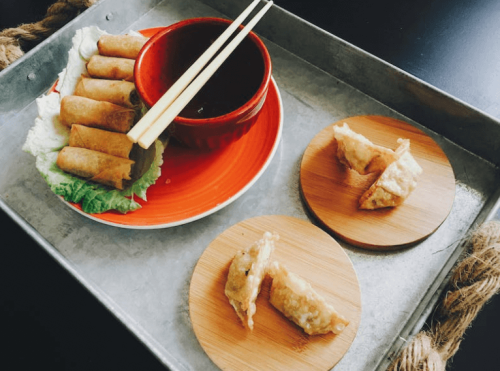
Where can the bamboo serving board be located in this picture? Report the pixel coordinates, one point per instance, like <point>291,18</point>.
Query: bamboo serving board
<point>275,343</point>
<point>331,191</point>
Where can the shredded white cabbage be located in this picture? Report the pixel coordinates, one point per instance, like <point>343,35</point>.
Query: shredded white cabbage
<point>84,47</point>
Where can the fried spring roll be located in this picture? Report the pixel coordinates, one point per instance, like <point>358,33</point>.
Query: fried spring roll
<point>89,112</point>
<point>111,68</point>
<point>122,46</point>
<point>95,166</point>
<point>104,141</point>
<point>122,93</point>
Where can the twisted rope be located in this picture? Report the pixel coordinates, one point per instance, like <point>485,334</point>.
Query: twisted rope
<point>13,40</point>
<point>472,283</point>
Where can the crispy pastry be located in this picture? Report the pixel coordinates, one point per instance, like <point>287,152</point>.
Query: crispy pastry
<point>118,92</point>
<point>95,166</point>
<point>116,144</point>
<point>111,68</point>
<point>297,300</point>
<point>396,183</point>
<point>93,113</point>
<point>246,273</point>
<point>358,153</point>
<point>121,46</point>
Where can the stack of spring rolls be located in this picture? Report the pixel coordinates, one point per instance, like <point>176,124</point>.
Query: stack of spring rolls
<point>102,110</point>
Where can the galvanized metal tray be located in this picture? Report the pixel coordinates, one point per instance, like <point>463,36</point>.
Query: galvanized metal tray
<point>143,276</point>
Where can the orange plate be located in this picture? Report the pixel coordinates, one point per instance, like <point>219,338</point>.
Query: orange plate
<point>332,191</point>
<point>275,343</point>
<point>196,183</point>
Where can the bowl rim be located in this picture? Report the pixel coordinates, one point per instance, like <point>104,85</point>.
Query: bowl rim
<point>233,115</point>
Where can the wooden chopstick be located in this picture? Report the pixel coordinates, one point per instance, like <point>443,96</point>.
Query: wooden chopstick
<point>176,89</point>
<point>185,97</point>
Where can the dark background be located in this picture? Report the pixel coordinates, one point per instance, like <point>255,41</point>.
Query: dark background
<point>49,321</point>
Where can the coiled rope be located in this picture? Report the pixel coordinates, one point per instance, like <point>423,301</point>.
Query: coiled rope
<point>26,36</point>
<point>473,281</point>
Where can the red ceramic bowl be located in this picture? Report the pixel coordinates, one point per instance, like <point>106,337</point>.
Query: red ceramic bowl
<point>229,104</point>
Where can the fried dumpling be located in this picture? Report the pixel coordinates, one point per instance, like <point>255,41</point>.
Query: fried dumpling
<point>396,183</point>
<point>297,300</point>
<point>360,154</point>
<point>246,273</point>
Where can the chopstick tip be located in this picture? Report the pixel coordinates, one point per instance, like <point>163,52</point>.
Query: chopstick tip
<point>143,144</point>
<point>133,138</point>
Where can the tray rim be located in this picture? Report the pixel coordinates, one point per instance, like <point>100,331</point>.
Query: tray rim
<point>20,67</point>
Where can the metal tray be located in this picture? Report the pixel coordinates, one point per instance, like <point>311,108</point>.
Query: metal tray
<point>143,276</point>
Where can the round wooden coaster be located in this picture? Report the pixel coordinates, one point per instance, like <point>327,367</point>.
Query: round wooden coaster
<point>275,343</point>
<point>332,191</point>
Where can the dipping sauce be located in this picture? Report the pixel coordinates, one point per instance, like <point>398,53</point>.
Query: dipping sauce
<point>233,84</point>
<point>229,103</point>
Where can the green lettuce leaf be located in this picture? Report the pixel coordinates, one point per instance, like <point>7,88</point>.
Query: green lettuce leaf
<point>149,178</point>
<point>95,198</point>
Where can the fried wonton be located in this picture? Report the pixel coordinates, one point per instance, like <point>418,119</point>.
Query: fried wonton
<point>246,273</point>
<point>297,300</point>
<point>360,154</point>
<point>396,183</point>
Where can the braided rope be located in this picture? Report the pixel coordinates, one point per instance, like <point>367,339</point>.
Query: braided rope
<point>12,40</point>
<point>472,283</point>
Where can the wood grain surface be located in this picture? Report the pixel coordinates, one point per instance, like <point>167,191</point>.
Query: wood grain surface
<point>275,343</point>
<point>331,191</point>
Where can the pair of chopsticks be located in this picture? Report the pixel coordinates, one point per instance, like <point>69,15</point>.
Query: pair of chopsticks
<point>157,119</point>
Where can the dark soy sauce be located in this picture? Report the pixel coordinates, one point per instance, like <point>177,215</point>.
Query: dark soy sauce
<point>232,85</point>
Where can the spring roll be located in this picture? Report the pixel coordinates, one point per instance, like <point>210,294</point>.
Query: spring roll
<point>122,93</point>
<point>116,144</point>
<point>89,112</point>
<point>95,166</point>
<point>111,68</point>
<point>122,46</point>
